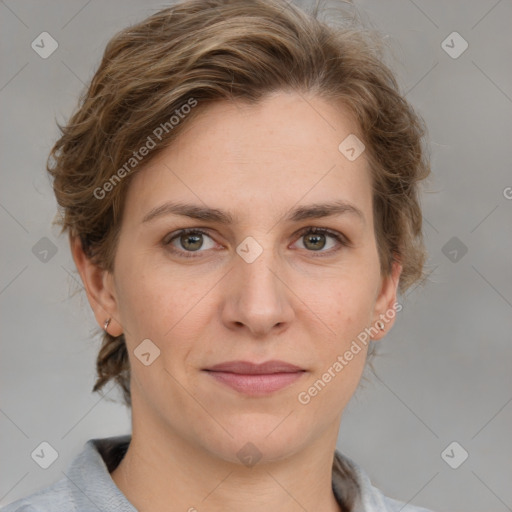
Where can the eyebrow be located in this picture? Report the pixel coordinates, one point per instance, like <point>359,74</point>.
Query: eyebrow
<point>313,211</point>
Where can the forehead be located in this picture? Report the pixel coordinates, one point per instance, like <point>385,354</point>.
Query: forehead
<point>267,156</point>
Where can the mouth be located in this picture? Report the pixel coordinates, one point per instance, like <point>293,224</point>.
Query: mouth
<point>256,379</point>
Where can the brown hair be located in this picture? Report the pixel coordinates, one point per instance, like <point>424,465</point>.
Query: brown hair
<point>202,51</point>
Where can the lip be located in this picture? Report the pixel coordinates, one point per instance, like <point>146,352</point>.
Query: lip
<point>256,379</point>
<point>248,368</point>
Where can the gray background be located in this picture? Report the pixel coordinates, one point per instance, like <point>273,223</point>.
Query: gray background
<point>444,374</point>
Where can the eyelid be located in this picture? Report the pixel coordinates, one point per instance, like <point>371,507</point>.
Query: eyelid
<point>338,236</point>
<point>341,240</point>
<point>183,231</point>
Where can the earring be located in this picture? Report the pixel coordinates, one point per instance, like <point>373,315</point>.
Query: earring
<point>380,325</point>
<point>107,322</point>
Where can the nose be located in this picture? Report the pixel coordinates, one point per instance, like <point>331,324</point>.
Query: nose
<point>257,298</point>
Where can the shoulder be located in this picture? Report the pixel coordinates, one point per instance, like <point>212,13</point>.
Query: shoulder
<point>387,504</point>
<point>56,497</point>
<point>367,498</point>
<point>86,485</point>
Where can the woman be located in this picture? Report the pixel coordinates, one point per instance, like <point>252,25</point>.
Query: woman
<point>240,188</point>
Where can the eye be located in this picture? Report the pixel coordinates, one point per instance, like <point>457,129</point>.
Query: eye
<point>187,241</point>
<point>315,239</point>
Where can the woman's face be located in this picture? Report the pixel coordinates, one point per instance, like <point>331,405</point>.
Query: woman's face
<point>253,285</point>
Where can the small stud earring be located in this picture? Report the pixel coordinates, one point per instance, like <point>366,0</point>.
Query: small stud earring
<point>380,325</point>
<point>107,322</point>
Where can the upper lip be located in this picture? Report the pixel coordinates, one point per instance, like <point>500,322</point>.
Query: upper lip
<point>248,368</point>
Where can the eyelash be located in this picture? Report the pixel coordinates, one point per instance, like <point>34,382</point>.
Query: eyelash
<point>305,231</point>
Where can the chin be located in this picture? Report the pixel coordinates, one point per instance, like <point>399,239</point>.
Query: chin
<point>264,437</point>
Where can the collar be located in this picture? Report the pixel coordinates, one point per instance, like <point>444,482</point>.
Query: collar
<point>90,474</point>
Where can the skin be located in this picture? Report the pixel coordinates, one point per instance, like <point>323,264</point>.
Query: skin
<point>293,303</point>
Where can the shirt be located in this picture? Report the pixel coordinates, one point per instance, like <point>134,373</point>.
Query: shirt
<point>88,486</point>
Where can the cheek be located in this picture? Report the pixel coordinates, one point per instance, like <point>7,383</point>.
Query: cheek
<point>346,302</point>
<point>172,310</point>
<point>153,299</point>
<point>353,308</point>
<point>341,356</point>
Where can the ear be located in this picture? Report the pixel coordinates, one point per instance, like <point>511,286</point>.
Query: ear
<point>99,286</point>
<point>386,305</point>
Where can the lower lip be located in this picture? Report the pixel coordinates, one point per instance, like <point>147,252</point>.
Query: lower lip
<point>256,384</point>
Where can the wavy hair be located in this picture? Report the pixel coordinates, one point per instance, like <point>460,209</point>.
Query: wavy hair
<point>221,50</point>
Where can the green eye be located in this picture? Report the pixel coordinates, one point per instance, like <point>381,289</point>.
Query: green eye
<point>315,239</point>
<point>190,240</point>
<point>186,242</point>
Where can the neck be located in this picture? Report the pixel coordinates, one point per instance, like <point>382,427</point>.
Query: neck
<point>162,472</point>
